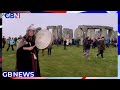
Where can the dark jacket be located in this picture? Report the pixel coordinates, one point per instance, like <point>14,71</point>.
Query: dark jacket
<point>101,45</point>
<point>87,44</point>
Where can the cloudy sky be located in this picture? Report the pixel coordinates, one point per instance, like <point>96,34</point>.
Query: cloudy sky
<point>15,27</point>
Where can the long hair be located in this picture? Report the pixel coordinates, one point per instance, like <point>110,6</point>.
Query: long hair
<point>25,39</point>
<point>29,38</point>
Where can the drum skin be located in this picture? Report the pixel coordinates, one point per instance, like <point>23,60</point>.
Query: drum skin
<point>43,39</point>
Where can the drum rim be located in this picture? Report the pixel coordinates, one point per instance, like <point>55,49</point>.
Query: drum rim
<point>51,39</point>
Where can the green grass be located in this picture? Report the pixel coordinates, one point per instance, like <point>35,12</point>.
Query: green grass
<point>69,63</point>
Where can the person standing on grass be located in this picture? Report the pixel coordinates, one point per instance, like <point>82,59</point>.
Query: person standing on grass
<point>49,50</point>
<point>87,44</point>
<point>10,43</point>
<point>107,41</point>
<point>78,42</point>
<point>94,43</point>
<point>115,42</point>
<point>98,43</point>
<point>15,39</point>
<point>65,44</point>
<point>112,42</point>
<point>3,41</point>
<point>101,47</point>
<point>84,40</point>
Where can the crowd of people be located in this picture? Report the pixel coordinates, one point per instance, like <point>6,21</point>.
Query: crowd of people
<point>88,43</point>
<point>27,54</point>
<point>11,42</point>
<point>68,42</point>
<point>99,43</point>
<point>77,42</point>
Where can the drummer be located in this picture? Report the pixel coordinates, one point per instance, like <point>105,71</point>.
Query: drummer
<point>27,54</point>
<point>49,50</point>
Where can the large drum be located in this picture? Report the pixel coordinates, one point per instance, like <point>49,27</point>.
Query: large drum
<point>44,39</point>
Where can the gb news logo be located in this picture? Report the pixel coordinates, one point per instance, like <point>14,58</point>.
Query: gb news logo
<point>11,15</point>
<point>18,74</point>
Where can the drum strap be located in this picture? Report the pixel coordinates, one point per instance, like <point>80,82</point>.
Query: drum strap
<point>34,64</point>
<point>34,56</point>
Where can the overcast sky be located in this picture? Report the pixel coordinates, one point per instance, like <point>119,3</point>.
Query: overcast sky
<point>15,27</point>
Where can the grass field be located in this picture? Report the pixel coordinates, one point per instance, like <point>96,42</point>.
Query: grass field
<point>70,62</point>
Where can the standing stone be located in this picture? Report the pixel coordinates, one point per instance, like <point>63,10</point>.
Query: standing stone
<point>54,31</point>
<point>78,34</point>
<point>84,29</point>
<point>104,33</point>
<point>110,33</point>
<point>112,36</point>
<point>98,34</point>
<point>91,33</point>
<point>71,33</point>
<point>59,31</point>
<point>67,33</point>
<point>116,34</point>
